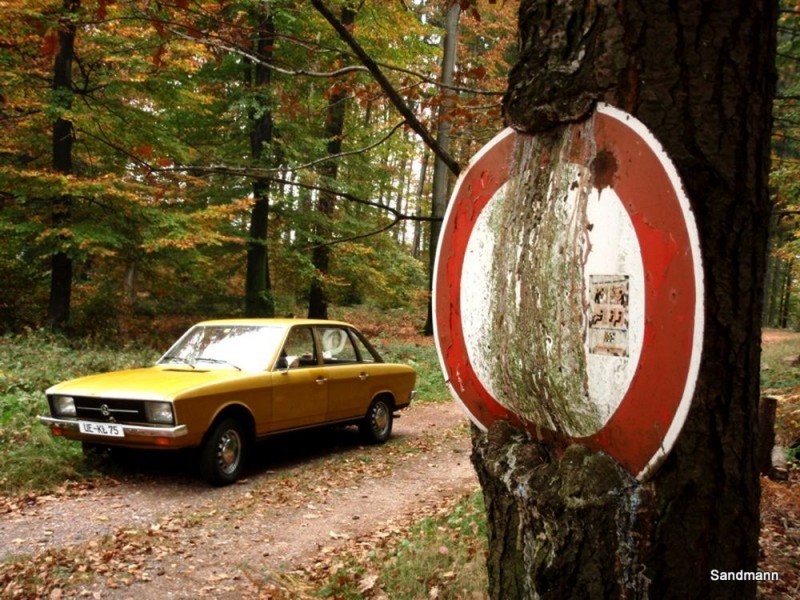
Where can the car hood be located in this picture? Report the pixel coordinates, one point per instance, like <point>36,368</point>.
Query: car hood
<point>152,383</point>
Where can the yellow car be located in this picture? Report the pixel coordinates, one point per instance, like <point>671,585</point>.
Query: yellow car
<point>225,384</point>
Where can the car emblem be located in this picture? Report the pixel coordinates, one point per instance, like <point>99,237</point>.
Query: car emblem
<point>104,410</point>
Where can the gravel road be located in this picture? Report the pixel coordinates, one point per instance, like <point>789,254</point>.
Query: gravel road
<point>158,531</point>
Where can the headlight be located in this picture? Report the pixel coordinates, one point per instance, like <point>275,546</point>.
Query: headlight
<point>159,412</point>
<point>64,406</point>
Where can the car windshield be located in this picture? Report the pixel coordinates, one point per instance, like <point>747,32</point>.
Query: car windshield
<point>243,347</point>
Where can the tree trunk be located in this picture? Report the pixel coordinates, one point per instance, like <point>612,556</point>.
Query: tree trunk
<point>63,137</point>
<point>440,170</point>
<point>701,77</point>
<point>326,203</point>
<point>416,245</point>
<point>767,409</point>
<point>771,275</point>
<point>787,294</point>
<point>258,287</point>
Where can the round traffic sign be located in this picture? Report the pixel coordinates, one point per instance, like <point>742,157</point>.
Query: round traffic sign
<point>568,289</point>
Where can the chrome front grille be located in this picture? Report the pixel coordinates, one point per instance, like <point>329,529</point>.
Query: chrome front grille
<point>112,411</point>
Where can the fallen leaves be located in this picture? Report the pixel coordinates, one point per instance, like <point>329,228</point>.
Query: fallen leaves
<point>114,561</point>
<point>361,566</point>
<point>780,537</point>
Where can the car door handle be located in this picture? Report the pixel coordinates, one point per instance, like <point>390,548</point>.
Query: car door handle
<point>363,376</point>
<point>321,380</point>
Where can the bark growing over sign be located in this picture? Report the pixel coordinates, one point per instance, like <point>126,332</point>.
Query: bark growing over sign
<point>553,226</point>
<point>700,76</point>
<point>572,527</point>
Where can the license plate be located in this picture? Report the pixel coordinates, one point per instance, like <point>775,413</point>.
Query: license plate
<point>107,429</point>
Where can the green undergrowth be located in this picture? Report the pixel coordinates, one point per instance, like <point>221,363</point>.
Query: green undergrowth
<point>430,382</point>
<point>30,363</point>
<point>443,556</point>
<point>780,369</point>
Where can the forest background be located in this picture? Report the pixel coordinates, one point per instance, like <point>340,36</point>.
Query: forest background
<point>198,158</point>
<point>155,152</point>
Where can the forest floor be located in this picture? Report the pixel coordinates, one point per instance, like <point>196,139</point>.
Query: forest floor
<point>780,498</point>
<point>158,532</point>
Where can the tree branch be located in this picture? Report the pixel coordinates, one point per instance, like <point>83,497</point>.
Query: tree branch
<point>392,94</point>
<point>354,238</point>
<point>266,174</point>
<point>314,163</point>
<point>250,56</point>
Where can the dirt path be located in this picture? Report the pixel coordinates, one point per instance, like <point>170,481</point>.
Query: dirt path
<point>160,533</point>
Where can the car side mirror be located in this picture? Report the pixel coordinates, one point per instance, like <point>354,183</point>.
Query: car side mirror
<point>287,362</point>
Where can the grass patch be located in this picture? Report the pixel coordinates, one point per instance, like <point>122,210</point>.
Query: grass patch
<point>32,459</point>
<point>780,371</point>
<point>422,356</point>
<point>441,556</point>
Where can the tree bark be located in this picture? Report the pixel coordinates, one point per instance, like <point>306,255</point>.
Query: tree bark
<point>58,310</point>
<point>258,287</point>
<point>326,202</point>
<point>701,77</point>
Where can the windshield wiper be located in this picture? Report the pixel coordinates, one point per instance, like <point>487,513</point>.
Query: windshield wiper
<point>179,359</point>
<point>219,361</point>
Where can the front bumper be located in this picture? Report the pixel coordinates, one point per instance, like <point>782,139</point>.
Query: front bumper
<point>130,430</point>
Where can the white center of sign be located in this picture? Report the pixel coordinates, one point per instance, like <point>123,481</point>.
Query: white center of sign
<point>613,291</point>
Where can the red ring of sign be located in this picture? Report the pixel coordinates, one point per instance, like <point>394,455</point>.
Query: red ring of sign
<point>656,400</point>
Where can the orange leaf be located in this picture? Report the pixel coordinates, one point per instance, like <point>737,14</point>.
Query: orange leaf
<point>158,56</point>
<point>50,44</point>
<point>145,150</point>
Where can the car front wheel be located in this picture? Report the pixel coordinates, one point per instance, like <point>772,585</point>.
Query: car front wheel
<point>377,425</point>
<point>222,455</point>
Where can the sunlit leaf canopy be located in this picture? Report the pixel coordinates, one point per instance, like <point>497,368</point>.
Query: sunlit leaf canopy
<point>161,186</point>
<point>161,189</point>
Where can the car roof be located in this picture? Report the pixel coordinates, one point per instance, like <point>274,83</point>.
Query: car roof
<point>273,322</point>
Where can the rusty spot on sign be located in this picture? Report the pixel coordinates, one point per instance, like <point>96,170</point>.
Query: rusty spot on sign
<point>604,167</point>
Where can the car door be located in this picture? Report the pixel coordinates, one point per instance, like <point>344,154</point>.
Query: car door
<point>348,375</point>
<point>299,383</point>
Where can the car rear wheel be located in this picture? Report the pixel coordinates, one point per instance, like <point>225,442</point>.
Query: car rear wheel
<point>376,427</point>
<point>222,455</point>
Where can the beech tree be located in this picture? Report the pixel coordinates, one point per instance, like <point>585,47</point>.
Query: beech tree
<point>63,139</point>
<point>258,288</point>
<point>440,173</point>
<point>701,77</point>
<point>334,130</point>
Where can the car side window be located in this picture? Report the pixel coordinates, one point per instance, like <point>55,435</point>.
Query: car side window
<point>366,354</point>
<point>337,347</point>
<point>299,348</point>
